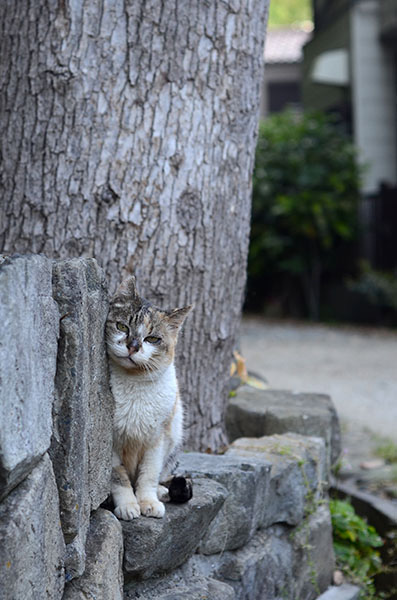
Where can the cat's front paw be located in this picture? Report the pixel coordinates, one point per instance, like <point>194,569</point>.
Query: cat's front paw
<point>127,511</point>
<point>152,508</point>
<point>162,493</point>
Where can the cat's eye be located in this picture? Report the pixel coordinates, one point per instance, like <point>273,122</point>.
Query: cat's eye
<point>122,327</point>
<point>152,339</point>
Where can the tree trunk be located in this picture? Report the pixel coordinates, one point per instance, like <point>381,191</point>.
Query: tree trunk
<point>127,133</point>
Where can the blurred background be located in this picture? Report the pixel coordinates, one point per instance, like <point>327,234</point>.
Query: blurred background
<point>324,225</point>
<point>321,302</point>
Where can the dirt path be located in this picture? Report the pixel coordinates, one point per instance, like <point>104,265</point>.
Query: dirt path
<point>356,366</point>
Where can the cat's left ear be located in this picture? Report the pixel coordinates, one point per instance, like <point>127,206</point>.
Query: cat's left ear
<point>178,315</point>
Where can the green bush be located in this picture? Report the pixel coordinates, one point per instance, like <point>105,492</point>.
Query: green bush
<point>305,194</point>
<point>379,287</point>
<point>386,449</point>
<point>355,544</point>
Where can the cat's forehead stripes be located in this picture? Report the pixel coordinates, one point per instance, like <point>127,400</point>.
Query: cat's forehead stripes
<point>143,316</point>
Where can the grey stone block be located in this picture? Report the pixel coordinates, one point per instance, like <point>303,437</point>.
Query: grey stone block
<point>298,472</point>
<point>261,569</point>
<point>32,546</point>
<point>342,592</point>
<point>254,413</point>
<point>155,546</point>
<point>103,576</point>
<point>314,560</point>
<point>218,590</point>
<point>76,552</point>
<point>28,348</point>
<point>247,482</point>
<point>83,412</point>
<point>277,562</point>
<point>179,586</point>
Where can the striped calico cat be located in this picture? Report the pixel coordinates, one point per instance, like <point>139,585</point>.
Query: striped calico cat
<point>148,418</point>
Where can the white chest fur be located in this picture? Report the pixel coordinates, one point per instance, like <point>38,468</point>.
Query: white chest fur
<point>142,403</point>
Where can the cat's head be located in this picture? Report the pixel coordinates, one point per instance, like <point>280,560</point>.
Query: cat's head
<point>140,337</point>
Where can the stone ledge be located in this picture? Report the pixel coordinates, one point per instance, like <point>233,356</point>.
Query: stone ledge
<point>277,562</point>
<point>239,522</point>
<point>157,546</point>
<point>274,564</point>
<point>268,480</point>
<point>254,413</point>
<point>298,470</point>
<point>247,483</point>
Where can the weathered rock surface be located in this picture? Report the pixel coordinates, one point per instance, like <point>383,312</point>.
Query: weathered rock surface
<point>83,411</point>
<point>254,413</point>
<point>277,562</point>
<point>103,576</point>
<point>32,546</point>
<point>155,546</point>
<point>314,560</point>
<point>247,482</point>
<point>256,527</point>
<point>298,471</point>
<point>261,569</point>
<point>28,348</point>
<point>180,586</point>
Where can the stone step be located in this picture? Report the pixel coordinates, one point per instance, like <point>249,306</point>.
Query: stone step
<point>258,523</point>
<point>254,413</point>
<point>268,481</point>
<point>274,564</point>
<point>156,546</point>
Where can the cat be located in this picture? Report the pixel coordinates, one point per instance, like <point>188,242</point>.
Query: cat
<point>148,420</point>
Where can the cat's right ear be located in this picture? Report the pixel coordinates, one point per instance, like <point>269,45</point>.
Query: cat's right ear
<point>127,288</point>
<point>178,315</point>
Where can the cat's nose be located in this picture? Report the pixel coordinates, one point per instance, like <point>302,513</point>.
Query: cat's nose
<point>133,347</point>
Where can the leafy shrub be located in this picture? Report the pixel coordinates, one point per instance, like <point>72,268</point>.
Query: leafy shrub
<point>305,193</point>
<point>387,449</point>
<point>380,287</point>
<point>355,544</point>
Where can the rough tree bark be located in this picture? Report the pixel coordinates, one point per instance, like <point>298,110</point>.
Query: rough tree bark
<point>127,133</point>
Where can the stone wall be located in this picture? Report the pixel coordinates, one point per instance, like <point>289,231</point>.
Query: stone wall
<point>258,525</point>
<point>55,431</point>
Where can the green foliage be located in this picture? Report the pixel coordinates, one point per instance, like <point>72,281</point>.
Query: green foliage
<point>355,544</point>
<point>305,193</point>
<point>379,287</point>
<point>387,450</point>
<point>288,12</point>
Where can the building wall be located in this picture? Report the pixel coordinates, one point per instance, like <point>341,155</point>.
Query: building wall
<point>321,96</point>
<point>373,97</point>
<point>279,75</point>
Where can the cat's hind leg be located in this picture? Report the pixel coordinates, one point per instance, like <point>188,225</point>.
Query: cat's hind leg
<point>125,502</point>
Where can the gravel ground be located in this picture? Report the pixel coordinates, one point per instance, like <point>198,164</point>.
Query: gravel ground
<point>357,367</point>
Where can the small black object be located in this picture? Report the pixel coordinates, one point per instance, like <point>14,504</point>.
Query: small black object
<point>180,490</point>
